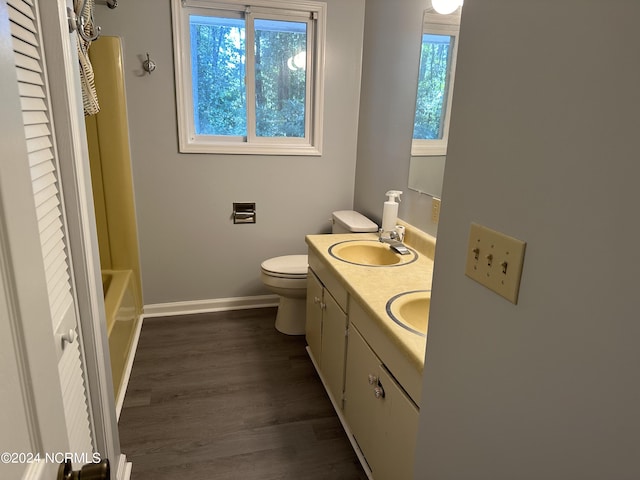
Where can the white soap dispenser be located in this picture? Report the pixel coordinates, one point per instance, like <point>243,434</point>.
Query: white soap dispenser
<point>390,210</point>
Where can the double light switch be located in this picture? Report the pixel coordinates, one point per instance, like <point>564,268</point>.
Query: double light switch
<point>495,260</point>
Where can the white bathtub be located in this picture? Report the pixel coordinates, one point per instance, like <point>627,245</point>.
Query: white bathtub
<point>123,327</point>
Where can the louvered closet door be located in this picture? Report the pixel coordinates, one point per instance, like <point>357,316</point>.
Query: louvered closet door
<point>46,192</point>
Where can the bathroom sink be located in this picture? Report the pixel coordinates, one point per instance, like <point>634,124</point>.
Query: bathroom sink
<point>369,253</point>
<point>410,310</point>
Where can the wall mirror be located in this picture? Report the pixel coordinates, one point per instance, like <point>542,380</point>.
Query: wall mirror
<point>439,45</point>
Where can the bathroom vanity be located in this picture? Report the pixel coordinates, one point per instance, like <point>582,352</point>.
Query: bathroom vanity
<point>367,314</point>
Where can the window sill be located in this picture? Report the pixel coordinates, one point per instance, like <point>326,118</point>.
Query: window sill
<point>428,151</point>
<point>248,149</point>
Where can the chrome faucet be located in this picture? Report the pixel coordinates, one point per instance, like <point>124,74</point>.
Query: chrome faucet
<point>388,237</point>
<point>395,242</point>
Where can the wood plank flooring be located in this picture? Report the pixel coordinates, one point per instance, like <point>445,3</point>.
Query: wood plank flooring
<point>225,396</point>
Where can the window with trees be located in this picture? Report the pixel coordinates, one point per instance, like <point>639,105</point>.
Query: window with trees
<point>435,83</point>
<point>249,77</point>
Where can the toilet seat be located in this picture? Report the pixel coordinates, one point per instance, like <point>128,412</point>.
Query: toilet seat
<point>286,276</point>
<point>287,266</point>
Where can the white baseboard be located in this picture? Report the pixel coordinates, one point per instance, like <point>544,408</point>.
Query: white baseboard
<point>121,468</point>
<point>212,305</point>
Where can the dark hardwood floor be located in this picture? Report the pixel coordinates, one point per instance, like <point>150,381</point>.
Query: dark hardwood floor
<point>225,396</point>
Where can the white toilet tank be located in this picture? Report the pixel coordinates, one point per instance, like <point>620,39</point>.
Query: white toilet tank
<point>350,221</point>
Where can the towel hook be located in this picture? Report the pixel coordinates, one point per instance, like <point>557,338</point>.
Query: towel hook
<point>91,37</point>
<point>149,65</point>
<point>95,31</point>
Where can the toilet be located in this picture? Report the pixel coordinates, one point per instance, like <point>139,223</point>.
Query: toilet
<point>286,276</point>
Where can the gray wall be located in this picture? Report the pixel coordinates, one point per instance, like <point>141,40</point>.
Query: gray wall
<point>390,66</point>
<point>190,249</point>
<point>543,146</point>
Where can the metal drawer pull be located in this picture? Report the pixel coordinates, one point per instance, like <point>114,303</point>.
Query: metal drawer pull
<point>378,391</point>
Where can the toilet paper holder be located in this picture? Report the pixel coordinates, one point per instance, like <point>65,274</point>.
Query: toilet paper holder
<point>244,212</point>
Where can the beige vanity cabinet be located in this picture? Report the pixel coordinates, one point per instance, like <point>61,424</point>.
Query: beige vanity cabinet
<point>326,328</point>
<point>382,418</point>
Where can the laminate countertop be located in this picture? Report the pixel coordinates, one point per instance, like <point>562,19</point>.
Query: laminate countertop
<point>372,287</point>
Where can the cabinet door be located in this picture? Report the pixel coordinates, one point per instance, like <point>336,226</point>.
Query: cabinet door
<point>397,436</point>
<point>334,346</point>
<point>313,326</point>
<point>385,426</point>
<point>361,406</point>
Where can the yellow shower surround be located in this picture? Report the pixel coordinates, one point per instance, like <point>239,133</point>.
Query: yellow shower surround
<point>110,160</point>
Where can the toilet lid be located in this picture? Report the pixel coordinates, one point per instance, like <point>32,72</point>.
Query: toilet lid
<point>290,266</point>
<point>354,221</point>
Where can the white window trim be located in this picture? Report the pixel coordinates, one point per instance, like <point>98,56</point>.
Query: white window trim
<point>444,25</point>
<point>191,143</point>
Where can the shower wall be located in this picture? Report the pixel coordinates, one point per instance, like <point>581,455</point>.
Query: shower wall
<point>110,160</point>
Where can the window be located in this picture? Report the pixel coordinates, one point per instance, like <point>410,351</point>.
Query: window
<point>249,78</point>
<point>435,83</point>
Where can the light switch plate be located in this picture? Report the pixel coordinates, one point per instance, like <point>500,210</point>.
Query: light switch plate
<point>495,260</point>
<point>435,209</point>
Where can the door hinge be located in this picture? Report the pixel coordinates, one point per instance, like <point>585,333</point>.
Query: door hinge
<point>72,20</point>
